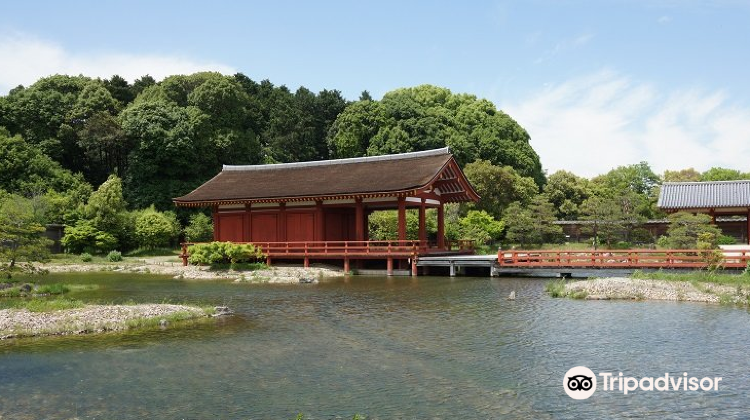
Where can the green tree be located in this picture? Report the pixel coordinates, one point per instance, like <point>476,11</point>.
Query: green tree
<point>199,229</point>
<point>543,213</point>
<point>83,236</point>
<point>25,170</point>
<point>155,229</point>
<point>21,236</point>
<point>722,174</point>
<point>499,186</point>
<point>685,229</point>
<point>566,192</point>
<point>684,175</point>
<point>604,217</point>
<point>427,117</point>
<point>481,227</point>
<point>519,225</point>
<point>383,225</point>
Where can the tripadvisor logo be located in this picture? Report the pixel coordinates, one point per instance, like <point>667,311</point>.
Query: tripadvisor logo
<point>580,383</point>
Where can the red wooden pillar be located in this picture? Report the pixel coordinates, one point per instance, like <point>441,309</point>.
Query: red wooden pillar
<point>748,226</point>
<point>359,221</point>
<point>217,227</point>
<point>248,234</point>
<point>712,213</point>
<point>346,265</point>
<point>422,228</point>
<point>389,266</point>
<point>401,218</point>
<point>441,227</point>
<point>319,222</point>
<point>282,222</point>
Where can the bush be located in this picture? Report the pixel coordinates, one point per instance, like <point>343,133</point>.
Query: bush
<point>114,256</point>
<point>84,237</point>
<point>481,227</point>
<point>200,228</point>
<point>86,257</point>
<point>155,229</point>
<point>725,240</point>
<point>623,245</point>
<point>223,253</point>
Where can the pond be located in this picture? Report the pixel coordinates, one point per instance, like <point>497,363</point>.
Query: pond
<point>386,348</point>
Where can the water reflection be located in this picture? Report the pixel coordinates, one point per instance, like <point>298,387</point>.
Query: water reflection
<point>388,348</point>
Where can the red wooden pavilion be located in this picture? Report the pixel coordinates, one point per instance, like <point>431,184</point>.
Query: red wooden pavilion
<point>320,209</point>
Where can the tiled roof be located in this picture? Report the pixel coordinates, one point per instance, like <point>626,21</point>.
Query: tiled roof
<point>400,173</point>
<point>700,195</point>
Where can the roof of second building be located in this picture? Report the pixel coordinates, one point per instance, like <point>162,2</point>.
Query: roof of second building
<point>697,195</point>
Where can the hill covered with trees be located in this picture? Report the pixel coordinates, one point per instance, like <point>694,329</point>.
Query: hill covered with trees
<point>100,155</point>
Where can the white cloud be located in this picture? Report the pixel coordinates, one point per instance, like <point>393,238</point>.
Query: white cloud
<point>664,20</point>
<point>563,46</point>
<point>26,59</point>
<point>592,124</point>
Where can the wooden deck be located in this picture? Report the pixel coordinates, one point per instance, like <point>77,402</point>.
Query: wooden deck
<point>352,250</point>
<point>613,259</point>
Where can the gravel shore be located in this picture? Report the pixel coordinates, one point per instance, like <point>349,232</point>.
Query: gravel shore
<point>638,289</point>
<point>89,319</point>
<point>273,274</point>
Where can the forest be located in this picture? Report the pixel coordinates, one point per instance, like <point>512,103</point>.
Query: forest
<point>105,158</point>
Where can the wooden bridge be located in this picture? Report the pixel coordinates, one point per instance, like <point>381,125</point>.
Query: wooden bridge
<point>612,262</point>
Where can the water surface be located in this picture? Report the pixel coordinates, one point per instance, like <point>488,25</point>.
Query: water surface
<point>388,348</point>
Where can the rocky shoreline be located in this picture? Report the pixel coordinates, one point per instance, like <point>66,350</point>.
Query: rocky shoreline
<point>640,289</point>
<point>271,275</point>
<point>96,318</point>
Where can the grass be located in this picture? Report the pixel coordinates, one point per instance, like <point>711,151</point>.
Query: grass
<point>44,305</point>
<point>157,321</point>
<point>29,289</point>
<point>556,288</point>
<point>155,252</point>
<point>696,277</point>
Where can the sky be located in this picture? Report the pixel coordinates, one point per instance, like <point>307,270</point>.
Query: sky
<point>597,84</point>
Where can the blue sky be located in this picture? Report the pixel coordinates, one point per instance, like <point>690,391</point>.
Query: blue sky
<point>596,83</point>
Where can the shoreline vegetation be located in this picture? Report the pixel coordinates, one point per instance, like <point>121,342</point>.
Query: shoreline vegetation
<point>162,266</point>
<point>697,286</point>
<point>71,317</point>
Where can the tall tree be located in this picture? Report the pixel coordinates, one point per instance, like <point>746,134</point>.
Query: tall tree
<point>21,236</point>
<point>427,117</point>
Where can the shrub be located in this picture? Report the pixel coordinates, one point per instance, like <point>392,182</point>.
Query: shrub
<point>481,227</point>
<point>200,228</point>
<point>114,256</point>
<point>86,257</point>
<point>725,240</point>
<point>223,253</point>
<point>155,229</point>
<point>84,237</point>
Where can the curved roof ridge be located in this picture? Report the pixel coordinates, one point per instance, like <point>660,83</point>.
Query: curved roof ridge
<point>736,181</point>
<point>309,164</point>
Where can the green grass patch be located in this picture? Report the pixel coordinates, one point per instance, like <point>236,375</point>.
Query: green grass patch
<point>155,252</point>
<point>51,289</point>
<point>46,305</point>
<point>696,277</point>
<point>157,321</point>
<point>556,288</point>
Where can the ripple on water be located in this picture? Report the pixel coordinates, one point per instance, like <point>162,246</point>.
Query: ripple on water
<point>388,348</point>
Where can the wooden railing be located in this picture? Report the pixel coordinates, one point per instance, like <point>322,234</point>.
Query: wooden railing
<point>630,258</point>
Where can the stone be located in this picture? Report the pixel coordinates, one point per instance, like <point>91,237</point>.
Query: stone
<point>512,295</point>
<point>222,311</point>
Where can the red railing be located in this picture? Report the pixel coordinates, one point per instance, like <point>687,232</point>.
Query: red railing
<point>630,258</point>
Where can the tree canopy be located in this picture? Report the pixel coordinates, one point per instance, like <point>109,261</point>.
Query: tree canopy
<point>428,117</point>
